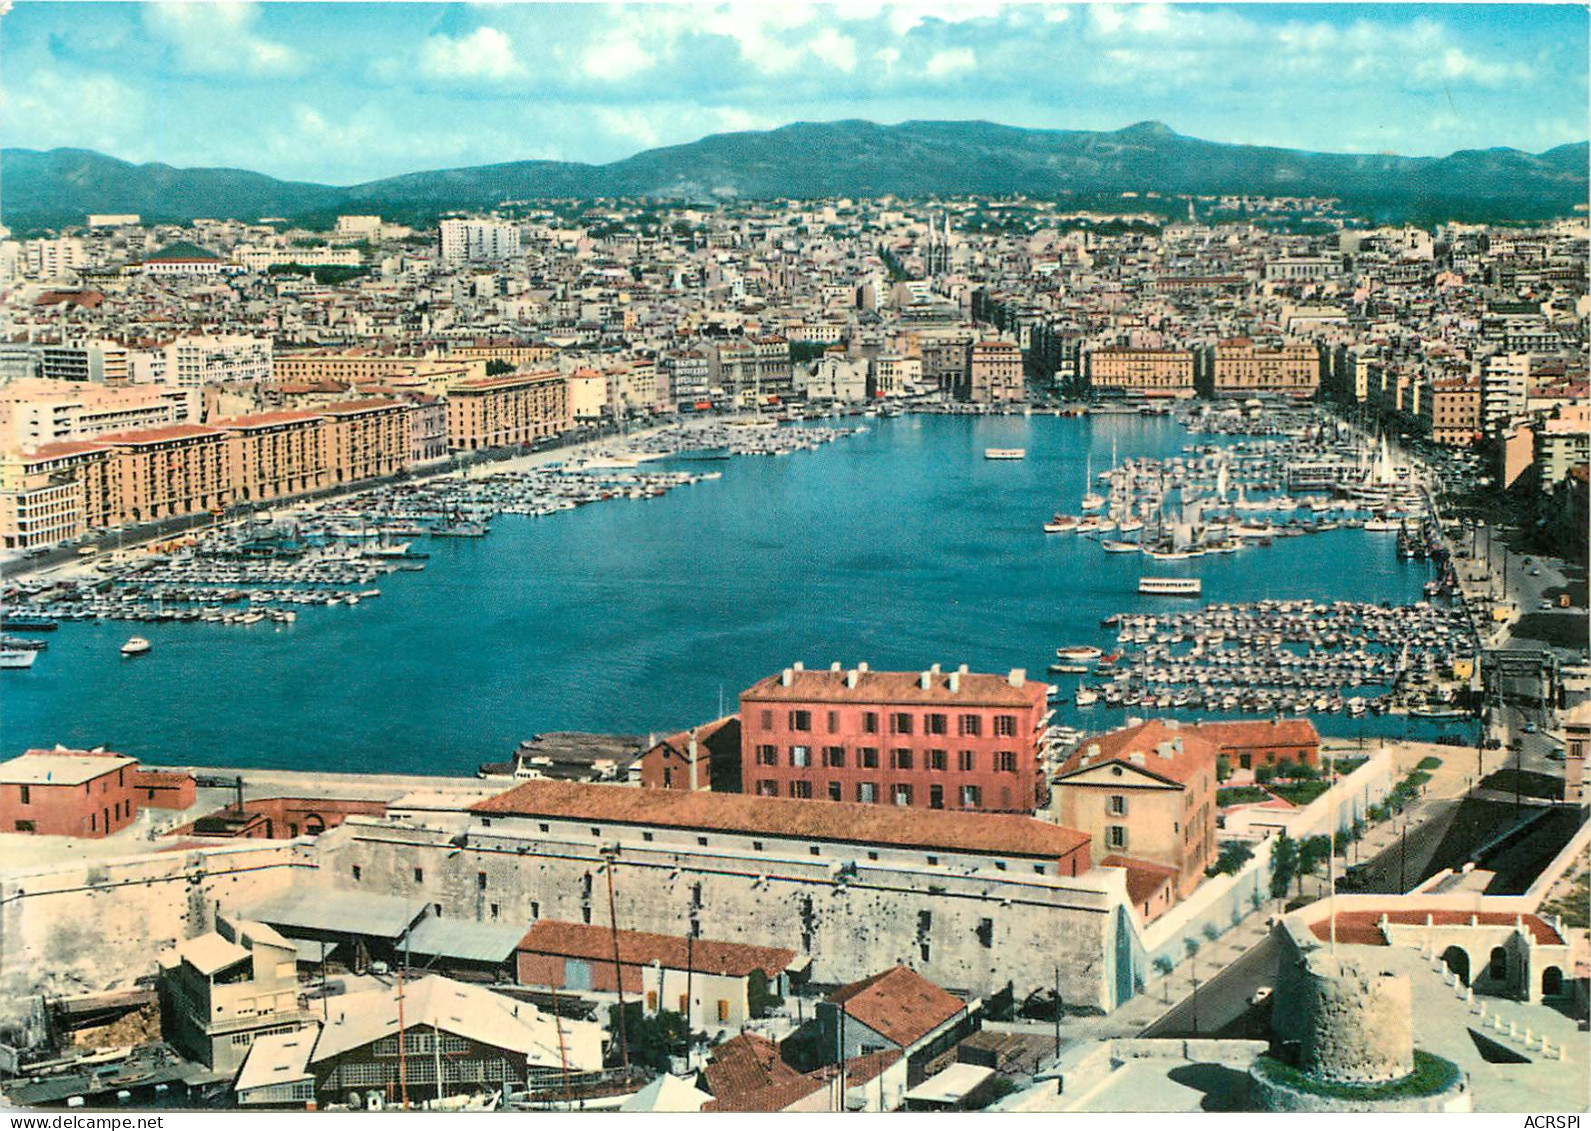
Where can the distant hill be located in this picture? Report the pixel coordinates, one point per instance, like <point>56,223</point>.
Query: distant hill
<point>846,158</point>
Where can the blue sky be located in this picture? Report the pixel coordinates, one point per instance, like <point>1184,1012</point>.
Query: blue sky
<point>348,92</point>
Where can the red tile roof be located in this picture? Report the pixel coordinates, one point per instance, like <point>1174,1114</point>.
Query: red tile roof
<point>1362,927</point>
<point>1189,755</point>
<point>1251,733</point>
<point>351,408</point>
<point>776,816</point>
<point>642,948</point>
<point>781,1094</point>
<point>746,1063</point>
<point>161,435</point>
<point>267,419</point>
<point>974,689</point>
<point>898,1004</point>
<point>1145,878</point>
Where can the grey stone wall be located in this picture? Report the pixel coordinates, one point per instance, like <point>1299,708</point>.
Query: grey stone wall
<point>1358,1022</point>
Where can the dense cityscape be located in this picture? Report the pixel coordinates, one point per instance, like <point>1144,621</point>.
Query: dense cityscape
<point>1148,632</point>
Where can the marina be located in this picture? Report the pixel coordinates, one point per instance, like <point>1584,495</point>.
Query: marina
<point>649,611</point>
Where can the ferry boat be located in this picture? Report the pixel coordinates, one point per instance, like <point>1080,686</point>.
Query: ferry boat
<point>135,646</point>
<point>18,658</point>
<point>1005,453</point>
<point>1171,586</point>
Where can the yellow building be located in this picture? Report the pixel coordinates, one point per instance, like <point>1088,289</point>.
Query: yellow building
<point>515,408</point>
<point>365,439</point>
<point>1141,372</point>
<point>1240,368</point>
<point>41,494</point>
<point>994,372</point>
<point>164,472</point>
<point>278,454</point>
<point>517,354</point>
<point>354,367</point>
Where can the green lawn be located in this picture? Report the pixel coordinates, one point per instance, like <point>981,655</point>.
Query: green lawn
<point>1300,793</point>
<point>1240,795</point>
<point>1432,1074</point>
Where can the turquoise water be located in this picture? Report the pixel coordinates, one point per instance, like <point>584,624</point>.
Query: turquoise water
<point>899,547</point>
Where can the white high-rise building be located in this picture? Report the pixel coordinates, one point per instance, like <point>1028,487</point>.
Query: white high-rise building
<point>209,359</point>
<point>474,241</point>
<point>48,258</point>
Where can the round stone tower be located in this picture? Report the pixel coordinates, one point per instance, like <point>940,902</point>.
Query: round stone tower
<point>1358,1024</point>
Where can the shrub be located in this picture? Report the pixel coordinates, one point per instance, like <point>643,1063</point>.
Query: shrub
<point>1432,1074</point>
<point>1430,763</point>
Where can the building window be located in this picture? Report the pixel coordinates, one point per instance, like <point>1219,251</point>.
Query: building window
<point>938,759</point>
<point>866,792</point>
<point>836,791</point>
<point>969,726</point>
<point>1116,806</point>
<point>767,720</point>
<point>800,720</point>
<point>936,724</point>
<point>767,755</point>
<point>723,1010</point>
<point>480,881</point>
<point>834,722</point>
<point>802,789</point>
<point>27,796</point>
<point>900,759</point>
<point>1245,761</point>
<point>986,932</point>
<point>766,788</point>
<point>870,722</point>
<point>494,911</point>
<point>900,723</point>
<point>902,794</point>
<point>936,797</point>
<point>966,760</point>
<point>357,873</point>
<point>813,850</point>
<point>800,755</point>
<point>419,875</point>
<point>1005,726</point>
<point>1116,836</point>
<point>834,756</point>
<point>971,797</point>
<point>702,841</point>
<point>25,826</point>
<point>1005,761</point>
<point>868,757</point>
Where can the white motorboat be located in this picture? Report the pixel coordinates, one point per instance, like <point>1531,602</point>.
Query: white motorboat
<point>1078,652</point>
<point>18,658</point>
<point>1005,453</point>
<point>1061,524</point>
<point>136,646</point>
<point>1086,697</point>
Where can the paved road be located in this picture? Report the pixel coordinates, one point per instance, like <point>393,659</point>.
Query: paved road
<point>1223,1001</point>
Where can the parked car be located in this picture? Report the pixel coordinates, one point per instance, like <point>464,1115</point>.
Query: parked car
<point>1530,728</point>
<point>1261,994</point>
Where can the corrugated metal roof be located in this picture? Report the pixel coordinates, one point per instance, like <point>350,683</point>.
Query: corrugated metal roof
<point>340,912</point>
<point>461,939</point>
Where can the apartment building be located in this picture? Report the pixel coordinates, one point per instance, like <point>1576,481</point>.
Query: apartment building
<point>1562,444</point>
<point>1146,795</point>
<point>357,367</point>
<point>1240,368</point>
<point>994,372</point>
<point>1454,411</point>
<point>163,472</point>
<point>690,377</point>
<point>101,363</point>
<point>209,359</point>
<point>930,740</point>
<point>48,258</point>
<point>1121,371</point>
<point>896,375</point>
<point>366,439</point>
<point>277,454</point>
<point>477,241</point>
<point>515,408</point>
<point>35,411</point>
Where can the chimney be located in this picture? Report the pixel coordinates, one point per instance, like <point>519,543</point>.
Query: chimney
<point>1137,758</point>
<point>955,682</point>
<point>963,669</point>
<point>1018,677</point>
<point>835,666</point>
<point>934,668</point>
<point>1093,750</point>
<point>1164,749</point>
<point>786,678</point>
<point>862,667</point>
<point>923,680</point>
<point>799,666</point>
<point>850,678</point>
<point>691,751</point>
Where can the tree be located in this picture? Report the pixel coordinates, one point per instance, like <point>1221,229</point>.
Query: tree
<point>1234,854</point>
<point>1284,864</point>
<point>1223,767</point>
<point>1265,774</point>
<point>496,367</point>
<point>1164,966</point>
<point>652,1040</point>
<point>1311,853</point>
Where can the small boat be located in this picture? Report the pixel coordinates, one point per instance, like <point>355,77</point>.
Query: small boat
<point>1079,652</point>
<point>1061,524</point>
<point>1086,697</point>
<point>135,646</point>
<point>18,657</point>
<point>1114,546</point>
<point>1067,667</point>
<point>1170,586</point>
<point>1005,453</point>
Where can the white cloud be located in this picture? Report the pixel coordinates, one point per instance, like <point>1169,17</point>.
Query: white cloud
<point>616,59</point>
<point>485,53</point>
<point>83,109</point>
<point>952,61</point>
<point>219,39</point>
<point>837,50</point>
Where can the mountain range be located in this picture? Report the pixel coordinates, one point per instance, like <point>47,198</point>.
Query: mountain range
<point>822,159</point>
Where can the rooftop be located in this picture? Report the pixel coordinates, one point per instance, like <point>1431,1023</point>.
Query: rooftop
<point>898,1004</point>
<point>809,820</point>
<point>642,948</point>
<point>71,767</point>
<point>862,686</point>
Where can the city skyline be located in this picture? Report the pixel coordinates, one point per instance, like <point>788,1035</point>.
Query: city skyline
<point>268,87</point>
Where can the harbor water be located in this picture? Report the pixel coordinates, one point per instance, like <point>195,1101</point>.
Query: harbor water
<point>901,546</point>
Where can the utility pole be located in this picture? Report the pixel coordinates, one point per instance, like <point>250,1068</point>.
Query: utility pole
<point>1057,1012</point>
<point>403,1073</point>
<point>618,968</point>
